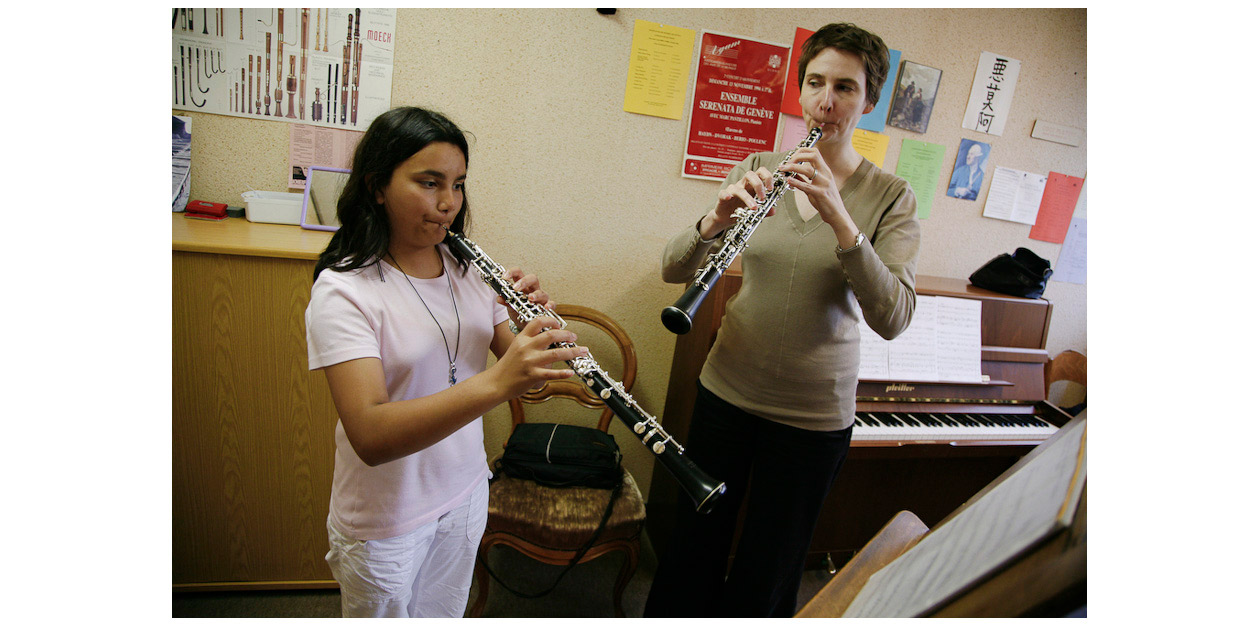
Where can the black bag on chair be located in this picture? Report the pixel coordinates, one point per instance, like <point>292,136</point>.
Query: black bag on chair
<point>1022,274</point>
<point>561,456</point>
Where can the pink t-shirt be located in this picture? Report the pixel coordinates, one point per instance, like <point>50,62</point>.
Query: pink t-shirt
<point>373,312</point>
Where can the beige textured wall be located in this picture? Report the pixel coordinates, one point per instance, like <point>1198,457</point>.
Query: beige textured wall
<point>567,185</point>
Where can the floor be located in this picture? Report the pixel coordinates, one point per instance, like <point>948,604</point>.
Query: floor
<point>572,597</point>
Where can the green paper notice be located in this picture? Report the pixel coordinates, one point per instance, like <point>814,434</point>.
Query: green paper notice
<point>920,164</point>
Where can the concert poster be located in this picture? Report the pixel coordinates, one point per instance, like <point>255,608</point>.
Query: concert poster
<point>735,106</point>
<point>330,67</point>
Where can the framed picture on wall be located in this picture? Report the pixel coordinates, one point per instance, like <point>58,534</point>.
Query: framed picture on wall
<point>968,173</point>
<point>916,93</point>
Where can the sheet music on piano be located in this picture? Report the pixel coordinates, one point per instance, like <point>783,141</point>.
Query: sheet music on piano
<point>941,344</point>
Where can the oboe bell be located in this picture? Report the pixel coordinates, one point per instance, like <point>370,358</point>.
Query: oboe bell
<point>678,317</point>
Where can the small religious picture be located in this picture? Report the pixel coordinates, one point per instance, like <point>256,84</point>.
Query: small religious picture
<point>968,170</point>
<point>916,93</point>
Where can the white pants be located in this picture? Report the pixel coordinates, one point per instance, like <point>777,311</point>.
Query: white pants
<point>424,573</point>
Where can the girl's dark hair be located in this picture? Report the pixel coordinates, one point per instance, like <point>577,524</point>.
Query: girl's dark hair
<point>392,138</point>
<point>850,38</point>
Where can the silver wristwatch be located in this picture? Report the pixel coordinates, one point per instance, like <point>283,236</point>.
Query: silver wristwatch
<point>860,238</point>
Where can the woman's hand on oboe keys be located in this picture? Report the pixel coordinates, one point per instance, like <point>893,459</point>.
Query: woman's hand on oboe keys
<point>815,178</point>
<point>746,193</point>
<point>526,363</point>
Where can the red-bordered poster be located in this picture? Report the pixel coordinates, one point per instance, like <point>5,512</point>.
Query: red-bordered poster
<point>735,107</point>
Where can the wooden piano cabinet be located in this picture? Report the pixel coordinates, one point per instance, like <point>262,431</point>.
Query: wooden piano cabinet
<point>1005,320</point>
<point>252,427</point>
<point>877,482</point>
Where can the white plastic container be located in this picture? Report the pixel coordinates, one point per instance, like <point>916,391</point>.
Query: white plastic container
<point>273,207</point>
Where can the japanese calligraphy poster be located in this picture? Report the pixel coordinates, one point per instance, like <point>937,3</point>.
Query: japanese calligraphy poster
<point>735,107</point>
<point>327,67</point>
<point>991,94</point>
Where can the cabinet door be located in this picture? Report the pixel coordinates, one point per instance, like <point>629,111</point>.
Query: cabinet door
<point>252,427</point>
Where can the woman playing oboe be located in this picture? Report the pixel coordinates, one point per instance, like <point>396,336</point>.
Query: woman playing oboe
<point>403,331</point>
<point>776,399</point>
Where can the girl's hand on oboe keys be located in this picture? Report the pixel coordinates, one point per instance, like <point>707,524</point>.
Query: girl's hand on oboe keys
<point>526,363</point>
<point>746,193</point>
<point>527,284</point>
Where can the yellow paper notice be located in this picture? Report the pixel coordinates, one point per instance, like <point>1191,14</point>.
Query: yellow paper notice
<point>873,146</point>
<point>656,83</point>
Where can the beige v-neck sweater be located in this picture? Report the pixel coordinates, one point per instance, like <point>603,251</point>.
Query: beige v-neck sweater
<point>789,345</point>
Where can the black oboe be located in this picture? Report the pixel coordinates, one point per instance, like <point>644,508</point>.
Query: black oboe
<point>678,317</point>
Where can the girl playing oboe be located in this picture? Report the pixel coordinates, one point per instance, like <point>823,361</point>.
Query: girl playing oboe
<point>402,332</point>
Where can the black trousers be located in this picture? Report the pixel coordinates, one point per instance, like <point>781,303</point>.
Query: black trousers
<point>786,474</point>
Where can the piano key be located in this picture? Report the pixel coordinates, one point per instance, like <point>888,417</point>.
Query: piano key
<point>918,428</point>
<point>943,427</point>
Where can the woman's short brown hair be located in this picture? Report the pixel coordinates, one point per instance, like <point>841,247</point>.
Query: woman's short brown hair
<point>850,38</point>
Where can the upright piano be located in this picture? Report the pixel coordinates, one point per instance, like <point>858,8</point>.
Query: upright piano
<point>917,446</point>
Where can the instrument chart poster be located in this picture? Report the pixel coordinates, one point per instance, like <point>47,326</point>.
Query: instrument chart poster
<point>991,94</point>
<point>656,81</point>
<point>326,66</point>
<point>735,107</point>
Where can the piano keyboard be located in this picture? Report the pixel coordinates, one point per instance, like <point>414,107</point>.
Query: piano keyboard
<point>943,427</point>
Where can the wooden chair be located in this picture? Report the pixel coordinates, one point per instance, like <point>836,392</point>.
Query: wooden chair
<point>1066,366</point>
<point>550,524</point>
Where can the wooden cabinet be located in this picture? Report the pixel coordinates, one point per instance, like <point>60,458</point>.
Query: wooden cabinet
<point>252,427</point>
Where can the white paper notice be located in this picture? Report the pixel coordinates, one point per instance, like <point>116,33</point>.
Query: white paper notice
<point>1014,195</point>
<point>1070,268</point>
<point>313,145</point>
<point>991,94</point>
